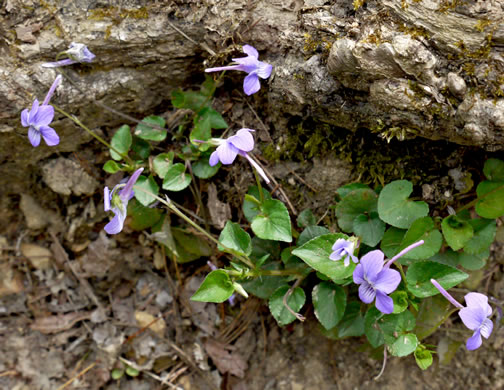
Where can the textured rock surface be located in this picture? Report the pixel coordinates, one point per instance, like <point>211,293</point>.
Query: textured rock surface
<point>404,68</point>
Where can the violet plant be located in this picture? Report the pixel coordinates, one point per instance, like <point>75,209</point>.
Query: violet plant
<point>76,53</point>
<point>39,118</point>
<point>354,290</point>
<point>256,69</point>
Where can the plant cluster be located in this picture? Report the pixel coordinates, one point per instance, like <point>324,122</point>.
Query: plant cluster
<point>355,291</point>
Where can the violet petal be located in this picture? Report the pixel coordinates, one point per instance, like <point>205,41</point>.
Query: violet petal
<point>251,84</point>
<point>51,138</point>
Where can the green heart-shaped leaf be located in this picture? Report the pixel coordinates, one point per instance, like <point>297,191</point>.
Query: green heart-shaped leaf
<point>396,209</point>
<point>217,287</point>
<point>273,223</point>
<point>419,275</point>
<point>295,301</point>
<point>329,301</point>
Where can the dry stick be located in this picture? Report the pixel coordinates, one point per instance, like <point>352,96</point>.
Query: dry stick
<point>287,295</point>
<point>259,119</point>
<point>148,373</point>
<point>202,45</point>
<point>9,373</point>
<point>187,360</point>
<point>77,376</point>
<point>323,216</point>
<point>179,370</point>
<point>301,180</point>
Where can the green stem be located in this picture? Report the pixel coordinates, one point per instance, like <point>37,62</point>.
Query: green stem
<point>92,133</point>
<point>173,208</point>
<point>403,275</point>
<point>259,272</point>
<point>259,187</point>
<point>210,95</point>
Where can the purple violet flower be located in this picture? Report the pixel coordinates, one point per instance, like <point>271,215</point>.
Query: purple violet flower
<point>240,143</point>
<point>252,66</point>
<point>39,118</point>
<point>474,315</point>
<point>117,202</point>
<point>77,53</point>
<point>376,281</point>
<point>343,249</point>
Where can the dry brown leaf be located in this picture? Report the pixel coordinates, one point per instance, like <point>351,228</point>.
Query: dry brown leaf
<point>39,256</point>
<point>11,281</point>
<point>225,358</point>
<point>144,319</point>
<point>58,323</point>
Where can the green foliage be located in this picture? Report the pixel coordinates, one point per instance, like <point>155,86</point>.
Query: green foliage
<point>357,202</point>
<point>311,232</point>
<point>151,133</point>
<point>419,275</point>
<point>162,163</point>
<point>423,357</point>
<point>267,263</point>
<point>329,301</point>
<point>148,184</point>
<point>235,239</point>
<point>491,199</point>
<point>189,246</point>
<point>400,299</point>
<point>391,241</point>
<point>422,229</point>
<point>431,312</point>
<point>316,253</point>
<point>484,234</point>
<point>141,148</point>
<point>251,209</point>
<point>273,221</point>
<point>206,120</point>
<point>347,188</point>
<point>306,218</point>
<point>369,227</point>
<point>352,323</point>
<point>121,141</point>
<point>491,192</point>
<point>456,232</point>
<point>176,178</point>
<point>494,169</point>
<point>117,374</point>
<point>203,170</point>
<point>111,167</point>
<point>265,285</point>
<point>396,209</point>
<point>277,307</point>
<point>217,287</point>
<point>142,217</point>
<point>133,372</point>
<point>404,345</point>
